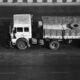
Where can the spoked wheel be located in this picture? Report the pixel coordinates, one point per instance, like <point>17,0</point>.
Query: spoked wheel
<point>22,45</point>
<point>54,45</point>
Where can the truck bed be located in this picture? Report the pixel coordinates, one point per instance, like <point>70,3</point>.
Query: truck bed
<point>56,27</point>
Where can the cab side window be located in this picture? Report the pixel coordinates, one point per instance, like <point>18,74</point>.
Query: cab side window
<point>19,29</point>
<point>26,29</point>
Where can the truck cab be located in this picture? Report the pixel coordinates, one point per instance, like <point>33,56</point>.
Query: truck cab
<point>21,32</point>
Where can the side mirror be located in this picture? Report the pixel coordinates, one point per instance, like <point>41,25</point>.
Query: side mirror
<point>14,30</point>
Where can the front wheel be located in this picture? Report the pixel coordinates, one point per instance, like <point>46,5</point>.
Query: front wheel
<point>54,45</point>
<point>22,45</point>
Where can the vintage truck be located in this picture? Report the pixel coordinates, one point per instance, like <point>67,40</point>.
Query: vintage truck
<point>51,31</point>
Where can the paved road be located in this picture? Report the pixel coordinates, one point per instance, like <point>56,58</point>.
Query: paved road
<point>38,63</point>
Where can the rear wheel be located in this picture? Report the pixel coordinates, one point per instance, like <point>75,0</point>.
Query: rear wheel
<point>22,45</point>
<point>54,45</point>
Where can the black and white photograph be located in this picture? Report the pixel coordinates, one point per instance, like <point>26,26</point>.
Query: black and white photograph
<point>39,39</point>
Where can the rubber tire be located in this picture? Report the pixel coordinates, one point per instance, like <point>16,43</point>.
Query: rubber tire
<point>54,45</point>
<point>21,45</point>
<point>73,26</point>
